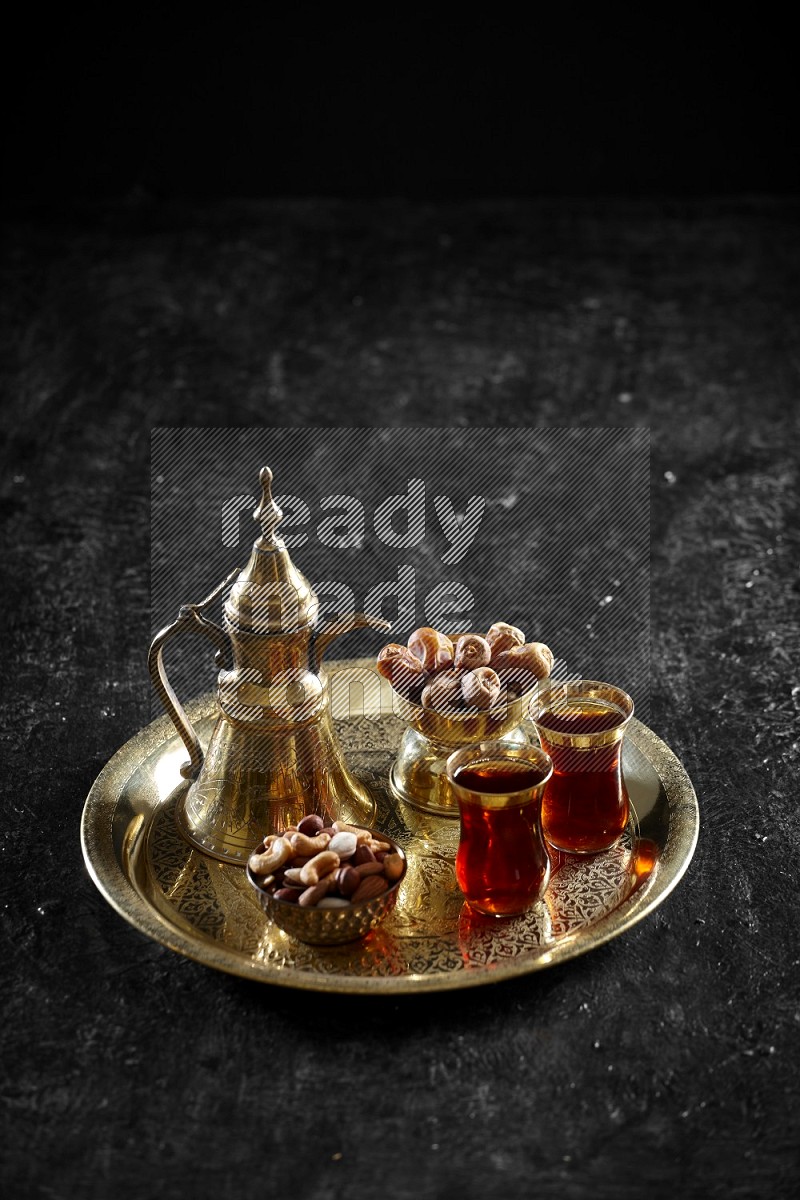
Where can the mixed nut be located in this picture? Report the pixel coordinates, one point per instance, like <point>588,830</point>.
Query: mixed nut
<point>467,672</point>
<point>325,866</point>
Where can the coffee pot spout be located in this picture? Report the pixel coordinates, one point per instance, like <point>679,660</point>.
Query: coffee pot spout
<point>346,624</point>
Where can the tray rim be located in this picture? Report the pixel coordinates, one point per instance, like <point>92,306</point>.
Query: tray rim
<point>109,878</point>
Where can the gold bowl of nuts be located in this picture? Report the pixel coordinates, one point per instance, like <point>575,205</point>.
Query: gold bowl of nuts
<point>455,692</point>
<point>327,884</point>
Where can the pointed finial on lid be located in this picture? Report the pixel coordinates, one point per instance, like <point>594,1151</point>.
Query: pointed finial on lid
<point>268,513</point>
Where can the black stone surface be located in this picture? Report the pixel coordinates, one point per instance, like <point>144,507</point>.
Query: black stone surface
<point>664,1063</point>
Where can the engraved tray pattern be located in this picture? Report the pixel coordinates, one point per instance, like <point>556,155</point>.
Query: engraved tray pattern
<point>432,940</point>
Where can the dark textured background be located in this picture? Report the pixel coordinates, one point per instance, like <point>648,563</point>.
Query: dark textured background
<point>277,102</point>
<point>581,578</point>
<point>665,1062</point>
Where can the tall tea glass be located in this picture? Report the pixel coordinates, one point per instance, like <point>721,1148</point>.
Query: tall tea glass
<point>502,865</point>
<point>581,725</point>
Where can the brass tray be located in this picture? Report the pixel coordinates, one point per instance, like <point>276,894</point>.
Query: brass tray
<point>206,910</point>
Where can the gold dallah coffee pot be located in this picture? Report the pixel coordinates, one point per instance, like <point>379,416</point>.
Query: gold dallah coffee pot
<point>273,755</point>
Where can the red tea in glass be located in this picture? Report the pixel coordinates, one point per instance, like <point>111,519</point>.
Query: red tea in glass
<point>501,865</point>
<point>581,726</point>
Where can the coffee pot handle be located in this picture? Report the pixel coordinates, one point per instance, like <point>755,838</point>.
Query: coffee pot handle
<point>190,620</point>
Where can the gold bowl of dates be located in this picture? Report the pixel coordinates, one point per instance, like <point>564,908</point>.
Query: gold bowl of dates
<point>327,885</point>
<point>470,725</point>
<point>454,692</point>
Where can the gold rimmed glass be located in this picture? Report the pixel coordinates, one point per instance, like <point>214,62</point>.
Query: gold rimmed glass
<point>581,725</point>
<point>501,865</point>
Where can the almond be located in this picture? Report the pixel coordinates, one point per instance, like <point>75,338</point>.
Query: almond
<point>369,888</point>
<point>369,868</point>
<point>393,866</point>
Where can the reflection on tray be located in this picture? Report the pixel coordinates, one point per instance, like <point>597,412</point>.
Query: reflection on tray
<point>430,932</point>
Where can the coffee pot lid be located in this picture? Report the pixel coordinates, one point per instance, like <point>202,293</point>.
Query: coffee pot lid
<point>270,595</point>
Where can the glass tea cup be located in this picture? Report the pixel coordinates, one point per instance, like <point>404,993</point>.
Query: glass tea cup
<point>581,725</point>
<point>501,865</point>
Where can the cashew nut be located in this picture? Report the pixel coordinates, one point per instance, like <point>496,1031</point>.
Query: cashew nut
<point>270,859</point>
